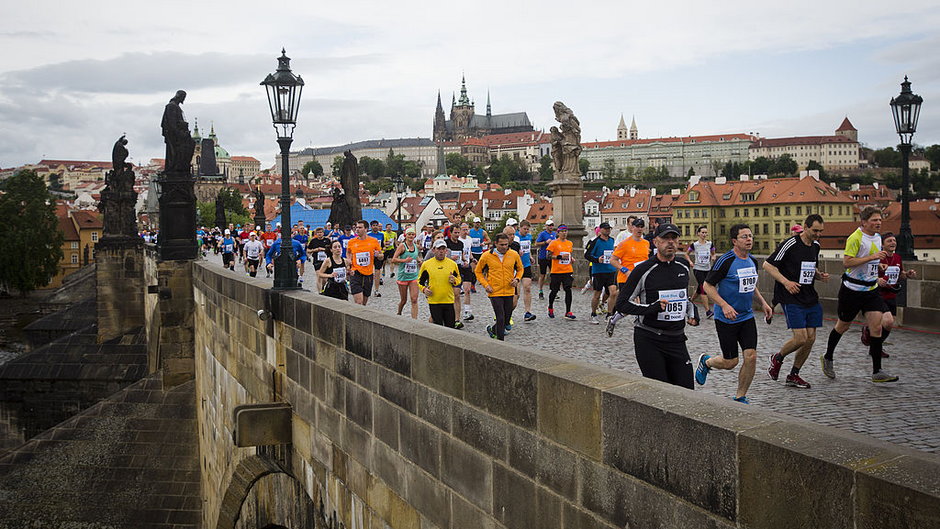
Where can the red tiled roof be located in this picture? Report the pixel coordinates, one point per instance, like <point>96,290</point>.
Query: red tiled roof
<point>514,138</point>
<point>68,228</point>
<point>685,139</point>
<point>614,203</point>
<point>846,125</point>
<point>74,163</point>
<point>245,159</point>
<point>87,219</point>
<point>800,140</point>
<point>540,212</point>
<point>765,192</point>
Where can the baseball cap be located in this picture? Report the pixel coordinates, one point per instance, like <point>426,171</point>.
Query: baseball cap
<point>663,229</point>
<point>410,229</point>
<point>549,222</point>
<point>440,242</point>
<point>257,228</point>
<point>476,219</point>
<point>278,224</point>
<point>604,225</point>
<point>562,227</point>
<point>639,223</point>
<point>227,232</point>
<point>511,222</point>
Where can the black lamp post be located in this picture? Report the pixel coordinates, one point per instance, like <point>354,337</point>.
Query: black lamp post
<point>284,90</point>
<point>400,193</point>
<point>906,110</point>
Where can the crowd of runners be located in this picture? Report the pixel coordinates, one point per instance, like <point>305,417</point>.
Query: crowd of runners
<point>645,279</point>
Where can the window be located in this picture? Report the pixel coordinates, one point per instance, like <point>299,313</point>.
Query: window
<point>766,246</point>
<point>777,210</point>
<point>737,213</point>
<point>94,236</point>
<point>74,258</point>
<point>721,229</point>
<point>799,210</point>
<point>695,213</point>
<point>766,212</point>
<point>721,213</point>
<point>686,230</point>
<point>830,211</point>
<point>704,213</point>
<point>757,212</point>
<point>745,212</point>
<point>776,229</point>
<point>74,245</point>
<point>786,210</point>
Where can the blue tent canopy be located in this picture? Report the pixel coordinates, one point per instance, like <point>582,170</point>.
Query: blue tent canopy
<point>314,218</point>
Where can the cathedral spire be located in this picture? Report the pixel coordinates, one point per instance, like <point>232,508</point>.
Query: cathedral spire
<point>489,110</point>
<point>634,135</point>
<point>464,100</point>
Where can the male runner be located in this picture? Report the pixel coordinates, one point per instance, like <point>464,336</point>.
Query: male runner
<point>633,250</point>
<point>362,252</point>
<point>600,252</point>
<point>794,266</point>
<point>228,250</point>
<point>890,272</point>
<point>376,233</point>
<point>701,254</point>
<point>479,239</point>
<point>499,271</point>
<point>300,256</point>
<point>253,251</point>
<point>732,283</point>
<point>545,237</point>
<point>319,248</point>
<point>439,278</point>
<point>524,238</point>
<point>659,286</point>
<point>460,255</point>
<point>859,293</point>
<point>559,251</point>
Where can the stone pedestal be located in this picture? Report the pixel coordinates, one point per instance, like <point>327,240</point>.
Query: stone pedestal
<point>120,277</point>
<point>568,209</point>
<point>171,347</point>
<point>177,239</point>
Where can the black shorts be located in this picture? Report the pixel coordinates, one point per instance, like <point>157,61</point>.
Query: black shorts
<point>561,281</point>
<point>732,335</point>
<point>466,274</point>
<point>851,302</point>
<point>253,263</point>
<point>700,276</point>
<point>360,284</point>
<point>228,258</point>
<point>544,266</point>
<point>892,305</point>
<point>527,272</point>
<point>603,280</point>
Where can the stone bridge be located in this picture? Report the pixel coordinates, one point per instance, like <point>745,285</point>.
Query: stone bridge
<point>396,423</point>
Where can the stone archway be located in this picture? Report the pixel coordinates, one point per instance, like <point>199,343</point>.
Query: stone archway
<point>261,495</point>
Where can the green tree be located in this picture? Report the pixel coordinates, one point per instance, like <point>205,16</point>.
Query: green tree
<point>784,165</point>
<point>887,157</point>
<point>55,182</point>
<point>337,166</point>
<point>813,165</point>
<point>457,164</point>
<point>314,167</point>
<point>232,201</point>
<point>373,167</point>
<point>547,168</point>
<point>761,165</point>
<point>609,168</point>
<point>30,239</point>
<point>583,165</point>
<point>932,154</point>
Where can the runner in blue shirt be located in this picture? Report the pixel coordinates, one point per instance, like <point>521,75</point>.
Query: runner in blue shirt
<point>545,237</point>
<point>479,238</point>
<point>603,274</point>
<point>732,283</point>
<point>228,250</point>
<point>344,238</point>
<point>299,255</point>
<point>524,238</point>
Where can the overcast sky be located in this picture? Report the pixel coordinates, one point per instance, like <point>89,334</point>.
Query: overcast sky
<point>74,76</point>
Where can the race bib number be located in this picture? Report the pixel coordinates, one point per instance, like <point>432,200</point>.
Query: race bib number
<point>228,248</point>
<point>892,273</point>
<point>340,274</point>
<point>362,258</point>
<point>525,246</point>
<point>807,272</point>
<point>475,241</point>
<point>747,280</point>
<point>564,258</point>
<point>411,268</point>
<point>702,258</point>
<point>345,243</point>
<point>321,256</point>
<point>606,257</point>
<point>675,305</point>
<point>455,255</point>
<point>427,243</point>
<point>871,270</point>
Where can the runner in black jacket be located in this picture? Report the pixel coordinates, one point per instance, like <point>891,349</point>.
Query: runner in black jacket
<point>657,291</point>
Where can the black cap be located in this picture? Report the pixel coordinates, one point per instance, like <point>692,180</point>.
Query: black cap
<point>639,223</point>
<point>604,225</point>
<point>663,229</point>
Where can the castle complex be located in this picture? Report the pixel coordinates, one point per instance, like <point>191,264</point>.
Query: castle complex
<point>465,123</point>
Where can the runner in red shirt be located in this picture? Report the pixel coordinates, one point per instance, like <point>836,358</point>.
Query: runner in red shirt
<point>890,272</point>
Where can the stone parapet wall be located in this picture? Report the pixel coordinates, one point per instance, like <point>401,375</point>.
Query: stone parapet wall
<point>402,424</point>
<point>120,266</point>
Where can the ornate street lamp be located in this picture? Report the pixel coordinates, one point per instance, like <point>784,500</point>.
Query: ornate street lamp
<point>284,90</point>
<point>906,110</point>
<point>400,193</point>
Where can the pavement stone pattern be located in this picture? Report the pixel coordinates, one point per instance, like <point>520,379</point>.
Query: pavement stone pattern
<point>905,413</point>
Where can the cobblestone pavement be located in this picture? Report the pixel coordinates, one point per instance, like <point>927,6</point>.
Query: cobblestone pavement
<point>906,412</point>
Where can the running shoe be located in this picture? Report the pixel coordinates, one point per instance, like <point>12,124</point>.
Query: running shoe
<point>529,317</point>
<point>742,399</point>
<point>795,381</point>
<point>827,367</point>
<point>458,325</point>
<point>473,289</point>
<point>709,313</point>
<point>569,316</point>
<point>701,372</point>
<point>866,336</point>
<point>883,376</point>
<point>490,331</point>
<point>508,328</point>
<point>468,317</point>
<point>611,325</point>
<point>585,288</point>
<point>541,295</point>
<point>775,365</point>
<point>594,320</point>
<point>551,313</point>
<point>884,354</point>
<point>378,295</point>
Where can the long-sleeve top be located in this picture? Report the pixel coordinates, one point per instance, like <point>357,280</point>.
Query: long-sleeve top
<point>498,273</point>
<point>275,250</point>
<point>651,281</point>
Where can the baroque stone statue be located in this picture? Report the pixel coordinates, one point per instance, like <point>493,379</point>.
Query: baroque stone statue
<point>118,197</point>
<point>566,143</point>
<point>259,203</point>
<point>219,211</point>
<point>180,145</point>
<point>346,207</point>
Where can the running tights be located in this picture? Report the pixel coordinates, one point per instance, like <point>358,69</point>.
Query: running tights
<point>502,308</point>
<point>558,281</point>
<point>443,314</point>
<point>663,358</point>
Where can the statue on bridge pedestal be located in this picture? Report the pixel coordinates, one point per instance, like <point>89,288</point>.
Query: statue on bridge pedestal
<point>118,197</point>
<point>180,145</point>
<point>566,143</point>
<point>346,208</point>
